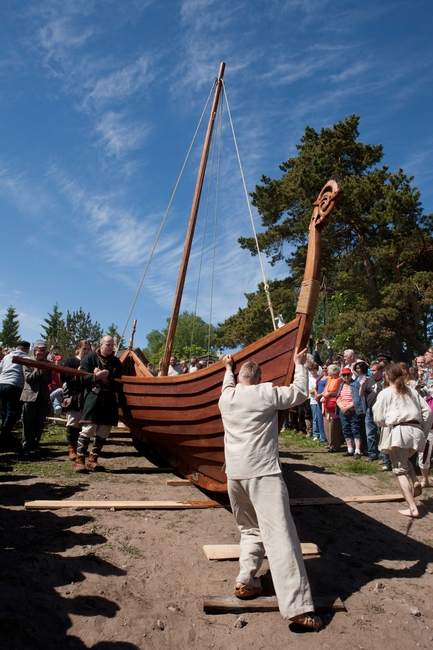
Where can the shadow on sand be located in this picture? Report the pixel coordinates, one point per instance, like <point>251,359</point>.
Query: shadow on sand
<point>354,546</point>
<point>33,615</point>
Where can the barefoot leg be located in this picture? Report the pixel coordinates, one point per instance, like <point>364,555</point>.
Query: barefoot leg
<point>408,513</point>
<point>406,490</point>
<point>414,478</point>
<point>425,473</point>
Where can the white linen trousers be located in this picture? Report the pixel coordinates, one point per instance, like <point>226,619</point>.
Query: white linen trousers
<point>262,513</point>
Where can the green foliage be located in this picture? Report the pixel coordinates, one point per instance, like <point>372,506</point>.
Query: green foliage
<point>53,330</point>
<point>377,272</point>
<point>65,334</point>
<point>113,331</point>
<point>155,346</point>
<point>80,326</point>
<point>254,321</point>
<point>9,335</point>
<point>191,339</point>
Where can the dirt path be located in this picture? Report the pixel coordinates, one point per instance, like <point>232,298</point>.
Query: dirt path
<point>102,580</point>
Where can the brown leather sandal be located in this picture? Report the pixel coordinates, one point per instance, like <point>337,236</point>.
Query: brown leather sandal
<point>246,591</point>
<point>307,620</point>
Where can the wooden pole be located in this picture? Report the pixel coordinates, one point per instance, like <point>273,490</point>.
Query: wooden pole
<point>191,226</point>
<point>131,340</point>
<point>52,367</point>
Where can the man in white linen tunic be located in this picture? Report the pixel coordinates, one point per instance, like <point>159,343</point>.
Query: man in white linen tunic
<point>257,491</point>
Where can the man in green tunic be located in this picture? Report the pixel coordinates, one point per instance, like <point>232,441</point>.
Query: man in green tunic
<point>100,410</point>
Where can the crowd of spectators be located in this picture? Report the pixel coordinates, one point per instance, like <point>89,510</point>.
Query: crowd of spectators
<point>34,392</point>
<point>176,367</point>
<point>340,412</point>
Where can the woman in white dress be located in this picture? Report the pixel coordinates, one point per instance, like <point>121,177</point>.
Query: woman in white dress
<point>406,420</point>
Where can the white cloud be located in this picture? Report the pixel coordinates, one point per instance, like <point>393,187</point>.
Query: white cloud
<point>120,135</point>
<point>59,35</point>
<point>26,195</point>
<point>122,83</point>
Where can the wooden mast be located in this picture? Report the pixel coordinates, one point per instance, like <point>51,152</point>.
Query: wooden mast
<point>191,225</point>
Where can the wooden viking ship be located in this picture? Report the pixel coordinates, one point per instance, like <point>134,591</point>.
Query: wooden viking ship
<point>178,416</point>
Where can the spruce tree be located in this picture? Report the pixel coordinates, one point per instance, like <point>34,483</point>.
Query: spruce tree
<point>53,328</point>
<point>9,334</point>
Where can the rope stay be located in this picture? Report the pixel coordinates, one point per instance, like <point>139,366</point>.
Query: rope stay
<point>163,222</point>
<point>165,216</point>
<point>265,281</point>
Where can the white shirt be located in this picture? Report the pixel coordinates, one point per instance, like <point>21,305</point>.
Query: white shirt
<point>250,418</point>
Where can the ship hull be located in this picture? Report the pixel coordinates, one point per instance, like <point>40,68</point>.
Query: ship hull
<point>178,416</point>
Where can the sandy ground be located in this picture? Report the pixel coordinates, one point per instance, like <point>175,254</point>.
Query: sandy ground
<point>136,579</point>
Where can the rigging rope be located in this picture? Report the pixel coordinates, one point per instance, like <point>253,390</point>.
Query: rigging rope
<point>165,217</point>
<point>265,281</point>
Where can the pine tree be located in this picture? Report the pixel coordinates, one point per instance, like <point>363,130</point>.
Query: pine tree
<point>114,332</point>
<point>9,335</point>
<point>377,272</point>
<point>54,328</point>
<point>80,326</point>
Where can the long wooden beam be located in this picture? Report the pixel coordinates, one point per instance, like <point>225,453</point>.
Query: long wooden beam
<point>231,604</point>
<point>121,505</point>
<point>232,551</point>
<point>329,501</point>
<point>53,367</point>
<point>173,505</point>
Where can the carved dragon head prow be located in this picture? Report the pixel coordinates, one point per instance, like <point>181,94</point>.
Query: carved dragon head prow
<point>324,204</point>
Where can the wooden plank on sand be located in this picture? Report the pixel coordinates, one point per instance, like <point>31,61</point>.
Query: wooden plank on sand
<point>231,551</point>
<point>122,505</point>
<point>231,604</point>
<point>327,501</point>
<point>60,422</point>
<point>178,481</point>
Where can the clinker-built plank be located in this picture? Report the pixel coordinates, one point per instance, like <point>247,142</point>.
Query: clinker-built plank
<point>231,551</point>
<point>121,505</point>
<point>231,604</point>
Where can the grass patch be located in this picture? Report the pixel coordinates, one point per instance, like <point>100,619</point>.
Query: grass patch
<point>296,440</point>
<point>53,464</point>
<point>335,463</point>
<point>358,466</point>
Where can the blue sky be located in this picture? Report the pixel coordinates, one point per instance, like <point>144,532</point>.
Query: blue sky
<point>99,100</point>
